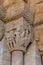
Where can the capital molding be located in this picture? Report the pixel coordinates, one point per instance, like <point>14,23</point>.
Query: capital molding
<point>18,34</point>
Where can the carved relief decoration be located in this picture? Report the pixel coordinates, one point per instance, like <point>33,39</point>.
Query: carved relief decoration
<point>18,34</point>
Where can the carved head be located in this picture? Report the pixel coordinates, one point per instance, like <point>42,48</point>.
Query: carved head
<point>1,30</point>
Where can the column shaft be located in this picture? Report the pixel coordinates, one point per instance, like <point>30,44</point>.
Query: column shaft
<point>17,58</point>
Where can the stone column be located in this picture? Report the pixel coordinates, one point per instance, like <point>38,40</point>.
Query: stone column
<point>18,36</point>
<point>17,58</point>
<point>4,51</point>
<point>32,57</point>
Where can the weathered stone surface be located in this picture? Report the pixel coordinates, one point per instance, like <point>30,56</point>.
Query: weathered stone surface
<point>22,11</point>
<point>38,13</point>
<point>39,36</point>
<point>17,58</point>
<point>1,1</point>
<point>2,30</point>
<point>38,32</point>
<point>35,1</point>
<point>2,12</point>
<point>9,3</point>
<point>4,53</point>
<point>18,34</point>
<point>32,56</point>
<point>13,8</point>
<point>39,18</point>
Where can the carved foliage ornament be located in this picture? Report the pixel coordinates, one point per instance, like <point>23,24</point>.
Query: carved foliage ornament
<point>18,35</point>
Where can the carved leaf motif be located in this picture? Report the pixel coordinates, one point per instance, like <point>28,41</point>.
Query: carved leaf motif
<point>19,37</point>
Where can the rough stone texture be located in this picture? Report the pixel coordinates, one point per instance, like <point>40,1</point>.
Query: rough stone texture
<point>39,13</point>
<point>39,36</point>
<point>15,9</point>
<point>34,3</point>
<point>4,52</point>
<point>18,34</point>
<point>32,56</point>
<point>2,12</point>
<point>2,30</point>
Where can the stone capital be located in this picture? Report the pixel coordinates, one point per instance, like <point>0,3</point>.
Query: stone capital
<point>18,34</point>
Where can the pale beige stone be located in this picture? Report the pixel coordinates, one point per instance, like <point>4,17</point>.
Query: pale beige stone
<point>9,3</point>
<point>32,56</point>
<point>2,29</point>
<point>1,1</point>
<point>2,12</point>
<point>17,58</point>
<point>22,11</point>
<point>38,32</point>
<point>38,18</point>
<point>14,11</point>
<point>34,3</point>
<point>39,13</point>
<point>18,34</point>
<point>39,36</point>
<point>5,56</point>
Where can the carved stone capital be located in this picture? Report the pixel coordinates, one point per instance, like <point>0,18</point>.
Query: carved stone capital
<point>1,30</point>
<point>18,34</point>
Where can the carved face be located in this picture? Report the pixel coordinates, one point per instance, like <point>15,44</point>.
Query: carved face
<point>1,30</point>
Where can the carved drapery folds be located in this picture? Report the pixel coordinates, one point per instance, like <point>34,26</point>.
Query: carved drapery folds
<point>18,34</point>
<point>2,30</point>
